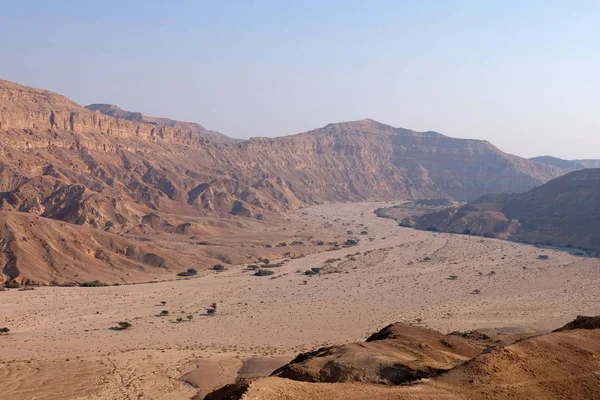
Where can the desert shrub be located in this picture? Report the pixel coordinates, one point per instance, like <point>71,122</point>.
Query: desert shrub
<point>164,313</point>
<point>297,243</point>
<point>264,272</point>
<point>476,291</point>
<point>332,260</point>
<point>124,325</point>
<point>320,243</point>
<point>351,242</point>
<point>211,311</point>
<point>364,232</point>
<point>264,260</point>
<point>95,283</point>
<point>53,283</point>
<point>23,289</point>
<point>3,289</point>
<point>189,272</point>
<point>12,285</point>
<point>218,267</point>
<point>268,246</point>
<point>163,302</point>
<point>4,331</point>
<point>316,269</point>
<point>282,244</point>
<point>179,319</point>
<point>452,277</point>
<point>543,257</point>
<point>310,272</point>
<point>349,232</point>
<point>274,265</point>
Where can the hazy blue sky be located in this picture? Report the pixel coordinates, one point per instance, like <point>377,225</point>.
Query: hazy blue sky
<point>524,75</point>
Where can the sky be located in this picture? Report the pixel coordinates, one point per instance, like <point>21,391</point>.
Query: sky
<point>524,75</point>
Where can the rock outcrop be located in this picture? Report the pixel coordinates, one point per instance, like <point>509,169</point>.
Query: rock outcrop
<point>559,365</point>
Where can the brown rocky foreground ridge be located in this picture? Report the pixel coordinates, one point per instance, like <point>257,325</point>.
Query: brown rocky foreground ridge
<point>132,175</point>
<point>424,364</point>
<point>562,212</point>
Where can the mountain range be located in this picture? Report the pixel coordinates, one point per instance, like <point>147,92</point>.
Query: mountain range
<point>116,171</point>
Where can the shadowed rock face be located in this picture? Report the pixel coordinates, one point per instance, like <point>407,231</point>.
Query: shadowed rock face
<point>559,365</point>
<point>563,212</point>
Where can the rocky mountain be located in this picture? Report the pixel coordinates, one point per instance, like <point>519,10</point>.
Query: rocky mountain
<point>193,128</point>
<point>567,165</point>
<point>109,169</point>
<point>562,212</point>
<point>458,366</point>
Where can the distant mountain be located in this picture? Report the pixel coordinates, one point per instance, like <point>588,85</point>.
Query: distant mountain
<point>589,163</point>
<point>567,165</point>
<point>562,212</point>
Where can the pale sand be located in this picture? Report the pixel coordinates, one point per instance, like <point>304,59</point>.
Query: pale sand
<point>282,316</point>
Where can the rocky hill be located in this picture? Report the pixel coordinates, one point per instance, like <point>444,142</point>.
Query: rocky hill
<point>459,366</point>
<point>562,212</point>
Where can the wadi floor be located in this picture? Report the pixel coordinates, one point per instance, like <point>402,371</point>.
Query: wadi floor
<point>63,345</point>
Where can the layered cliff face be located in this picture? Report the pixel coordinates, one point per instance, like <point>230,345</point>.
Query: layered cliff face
<point>562,212</point>
<point>180,167</point>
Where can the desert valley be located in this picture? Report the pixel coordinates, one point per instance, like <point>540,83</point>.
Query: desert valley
<point>148,258</point>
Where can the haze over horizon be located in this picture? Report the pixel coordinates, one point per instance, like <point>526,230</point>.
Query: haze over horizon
<point>522,76</point>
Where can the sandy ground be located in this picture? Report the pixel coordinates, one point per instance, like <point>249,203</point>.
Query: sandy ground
<point>61,345</point>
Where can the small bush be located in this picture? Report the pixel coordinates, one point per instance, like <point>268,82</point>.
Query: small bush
<point>95,283</point>
<point>4,331</point>
<point>320,243</point>
<point>264,272</point>
<point>189,272</point>
<point>190,317</point>
<point>164,313</point>
<point>543,257</point>
<point>124,325</point>
<point>12,285</point>
<point>218,267</point>
<point>452,277</point>
<point>310,272</point>
<point>351,242</point>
